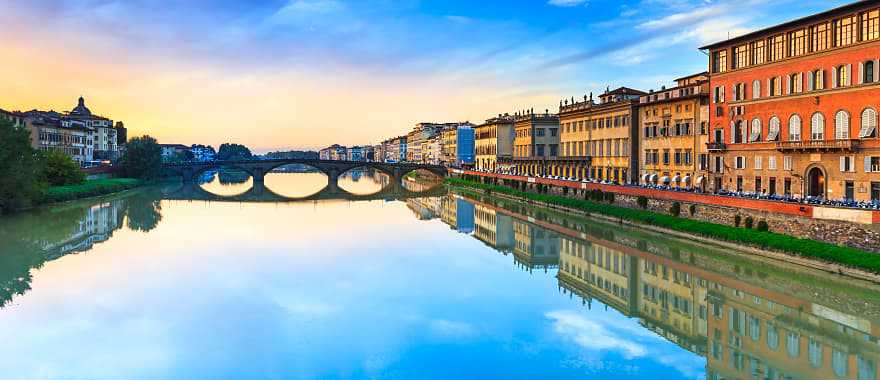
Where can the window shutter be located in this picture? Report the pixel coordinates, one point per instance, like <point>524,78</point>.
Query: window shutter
<point>811,86</point>
<point>769,87</point>
<point>849,75</point>
<point>861,73</point>
<point>842,164</point>
<point>876,68</point>
<point>867,164</point>
<point>788,86</point>
<point>821,80</point>
<point>834,76</point>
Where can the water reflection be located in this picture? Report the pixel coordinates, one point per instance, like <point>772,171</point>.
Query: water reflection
<point>363,181</point>
<point>400,294</point>
<point>226,182</point>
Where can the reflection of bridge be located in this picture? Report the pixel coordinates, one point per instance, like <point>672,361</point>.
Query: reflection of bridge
<point>259,193</point>
<point>333,169</point>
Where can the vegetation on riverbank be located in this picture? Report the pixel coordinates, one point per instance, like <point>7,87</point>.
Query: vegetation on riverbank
<point>767,240</point>
<point>89,189</point>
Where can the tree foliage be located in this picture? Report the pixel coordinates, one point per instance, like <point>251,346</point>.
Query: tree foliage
<point>20,184</point>
<point>234,152</point>
<point>58,169</point>
<point>142,159</point>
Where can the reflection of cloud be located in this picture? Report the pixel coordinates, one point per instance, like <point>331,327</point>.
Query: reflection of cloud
<point>451,329</point>
<point>566,3</point>
<point>592,335</point>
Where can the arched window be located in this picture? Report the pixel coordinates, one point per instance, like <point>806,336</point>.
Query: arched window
<point>838,363</point>
<point>772,337</point>
<point>756,131</point>
<point>756,89</point>
<point>869,123</point>
<point>814,351</point>
<point>841,76</point>
<point>793,344</point>
<point>794,128</point>
<point>868,72</point>
<point>841,125</point>
<point>754,328</point>
<point>817,127</point>
<point>773,129</point>
<point>866,367</point>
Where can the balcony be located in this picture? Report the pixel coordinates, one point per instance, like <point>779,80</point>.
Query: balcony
<point>847,145</point>
<point>715,146</point>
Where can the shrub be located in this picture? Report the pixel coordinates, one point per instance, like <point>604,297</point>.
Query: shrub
<point>89,189</point>
<point>749,222</point>
<point>643,202</point>
<point>609,197</point>
<point>692,209</point>
<point>763,226</point>
<point>737,220</point>
<point>675,210</point>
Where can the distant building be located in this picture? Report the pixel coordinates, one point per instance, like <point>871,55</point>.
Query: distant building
<point>170,151</point>
<point>355,153</point>
<point>536,142</point>
<point>417,137</point>
<point>48,132</point>
<point>396,149</point>
<point>494,142</point>
<point>334,152</point>
<point>458,144</point>
<point>203,153</point>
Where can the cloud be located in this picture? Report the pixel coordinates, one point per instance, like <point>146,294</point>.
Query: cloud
<point>567,3</point>
<point>592,335</point>
<point>680,19</point>
<point>451,329</point>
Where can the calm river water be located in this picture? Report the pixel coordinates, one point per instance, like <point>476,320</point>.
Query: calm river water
<point>164,283</point>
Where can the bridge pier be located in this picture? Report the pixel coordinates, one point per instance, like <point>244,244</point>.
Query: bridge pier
<point>333,181</point>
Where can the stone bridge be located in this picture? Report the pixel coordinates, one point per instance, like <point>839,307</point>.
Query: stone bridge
<point>258,169</point>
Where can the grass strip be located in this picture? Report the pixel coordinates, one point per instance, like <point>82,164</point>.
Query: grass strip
<point>813,249</point>
<point>89,189</point>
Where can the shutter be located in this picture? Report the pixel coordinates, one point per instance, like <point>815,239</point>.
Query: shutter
<point>812,83</point>
<point>861,73</point>
<point>867,164</point>
<point>876,73</point>
<point>821,80</point>
<point>769,87</point>
<point>849,75</point>
<point>788,86</point>
<point>834,83</point>
<point>842,164</point>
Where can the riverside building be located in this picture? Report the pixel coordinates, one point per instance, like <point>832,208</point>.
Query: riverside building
<point>674,133</point>
<point>794,107</point>
<point>536,141</point>
<point>494,142</point>
<point>600,140</point>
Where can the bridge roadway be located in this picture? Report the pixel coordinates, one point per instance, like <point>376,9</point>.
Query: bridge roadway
<point>258,169</point>
<point>260,193</point>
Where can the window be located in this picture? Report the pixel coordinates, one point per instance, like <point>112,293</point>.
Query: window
<point>871,25</point>
<point>758,52</point>
<point>797,43</point>
<point>841,76</point>
<point>773,132</point>
<point>845,31</point>
<point>847,164</point>
<point>740,162</point>
<point>868,72</point>
<point>793,344</point>
<point>718,95</point>
<point>774,89</point>
<point>719,61</point>
<point>869,123</point>
<point>741,56</point>
<point>817,80</point>
<point>756,131</point>
<point>786,163</point>
<point>759,162</point>
<point>756,89</point>
<point>771,163</point>
<point>841,125</point>
<point>821,34</point>
<point>814,351</point>
<point>777,48</point>
<point>795,83</point>
<point>817,127</point>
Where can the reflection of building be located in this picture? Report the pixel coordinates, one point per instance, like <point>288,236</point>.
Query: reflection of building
<point>599,272</point>
<point>96,226</point>
<point>494,142</point>
<point>674,129</point>
<point>494,229</point>
<point>535,247</point>
<point>458,214</point>
<point>794,106</point>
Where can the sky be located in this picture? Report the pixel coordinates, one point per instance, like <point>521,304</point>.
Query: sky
<point>305,74</point>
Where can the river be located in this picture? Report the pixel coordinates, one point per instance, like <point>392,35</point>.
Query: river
<point>153,285</point>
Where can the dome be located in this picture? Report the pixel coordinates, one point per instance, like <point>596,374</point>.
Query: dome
<point>81,109</point>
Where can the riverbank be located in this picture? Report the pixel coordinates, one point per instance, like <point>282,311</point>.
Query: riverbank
<point>89,189</point>
<point>770,241</point>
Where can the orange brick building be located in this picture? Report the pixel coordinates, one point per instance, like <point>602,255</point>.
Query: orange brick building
<point>794,107</point>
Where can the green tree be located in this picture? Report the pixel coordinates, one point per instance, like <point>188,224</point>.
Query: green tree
<point>234,152</point>
<point>19,181</point>
<point>58,169</point>
<point>142,159</point>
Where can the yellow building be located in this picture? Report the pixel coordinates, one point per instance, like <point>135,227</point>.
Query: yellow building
<point>536,141</point>
<point>674,133</point>
<point>600,140</point>
<point>494,142</point>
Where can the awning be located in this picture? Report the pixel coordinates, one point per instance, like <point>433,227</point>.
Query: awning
<point>653,178</point>
<point>645,178</point>
<point>687,180</point>
<point>664,180</point>
<point>867,130</point>
<point>676,179</point>
<point>700,180</point>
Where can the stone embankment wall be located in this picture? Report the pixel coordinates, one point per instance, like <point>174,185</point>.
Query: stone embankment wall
<point>862,236</point>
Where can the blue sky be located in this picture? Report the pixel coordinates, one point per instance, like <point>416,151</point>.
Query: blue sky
<point>308,73</point>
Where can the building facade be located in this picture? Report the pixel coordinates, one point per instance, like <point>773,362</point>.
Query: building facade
<point>600,140</point>
<point>457,144</point>
<point>674,133</point>
<point>48,132</point>
<point>794,107</point>
<point>536,141</point>
<point>494,142</point>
